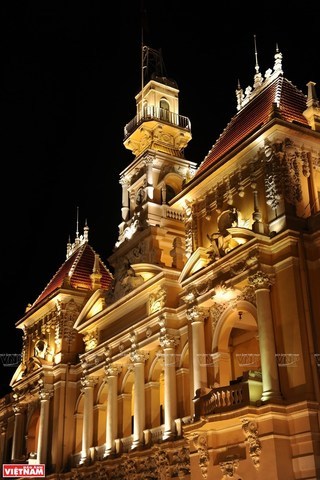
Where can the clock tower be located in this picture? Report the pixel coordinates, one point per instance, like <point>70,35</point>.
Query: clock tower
<point>157,137</point>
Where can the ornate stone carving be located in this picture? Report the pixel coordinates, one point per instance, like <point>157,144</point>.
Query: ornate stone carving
<point>180,463</point>
<point>148,159</point>
<point>202,448</point>
<point>177,253</point>
<point>67,313</point>
<point>25,345</point>
<point>282,172</point>
<point>251,260</point>
<point>91,339</point>
<point>250,429</point>
<point>291,175</point>
<point>229,466</point>
<point>189,228</point>
<point>3,427</point>
<point>215,313</point>
<point>190,295</point>
<point>130,468</point>
<point>196,314</point>
<point>138,356</point>
<point>45,395</point>
<point>163,465</point>
<point>261,280</point>
<point>272,175</point>
<point>112,370</point>
<point>19,408</point>
<point>169,341</point>
<point>248,294</point>
<point>157,300</point>
<point>305,164</point>
<point>88,382</point>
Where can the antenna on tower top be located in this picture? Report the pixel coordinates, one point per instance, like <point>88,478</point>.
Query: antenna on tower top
<point>143,48</point>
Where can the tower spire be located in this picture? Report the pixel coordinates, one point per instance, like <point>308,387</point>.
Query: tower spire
<point>258,76</point>
<point>77,229</point>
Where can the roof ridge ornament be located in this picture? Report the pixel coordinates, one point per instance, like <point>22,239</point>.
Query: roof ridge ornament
<point>277,61</point>
<point>260,82</point>
<point>79,239</point>
<point>258,77</point>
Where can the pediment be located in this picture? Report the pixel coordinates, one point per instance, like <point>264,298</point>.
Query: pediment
<point>198,260</point>
<point>92,307</point>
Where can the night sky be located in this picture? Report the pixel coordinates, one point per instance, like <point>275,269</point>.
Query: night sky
<point>71,71</point>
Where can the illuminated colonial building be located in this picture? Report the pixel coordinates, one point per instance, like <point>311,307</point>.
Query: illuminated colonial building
<point>195,354</point>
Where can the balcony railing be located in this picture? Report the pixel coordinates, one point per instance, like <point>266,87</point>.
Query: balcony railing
<point>156,113</point>
<point>227,398</point>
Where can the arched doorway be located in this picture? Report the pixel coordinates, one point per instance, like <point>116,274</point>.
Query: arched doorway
<point>235,344</point>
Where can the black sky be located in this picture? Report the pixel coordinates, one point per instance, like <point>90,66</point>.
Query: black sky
<point>71,71</point>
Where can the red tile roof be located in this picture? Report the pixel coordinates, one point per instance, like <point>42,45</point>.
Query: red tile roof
<point>290,101</point>
<point>77,270</point>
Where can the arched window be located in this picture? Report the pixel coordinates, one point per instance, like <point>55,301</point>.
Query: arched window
<point>170,193</point>
<point>164,109</point>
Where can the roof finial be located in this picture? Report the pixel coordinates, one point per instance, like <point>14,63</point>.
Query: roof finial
<point>69,246</point>
<point>256,53</point>
<point>77,231</point>
<point>239,96</point>
<point>86,232</point>
<point>96,275</point>
<point>258,76</point>
<point>278,61</point>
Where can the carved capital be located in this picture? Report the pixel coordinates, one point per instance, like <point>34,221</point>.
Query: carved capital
<point>3,427</point>
<point>45,395</point>
<point>190,296</point>
<point>19,408</point>
<point>195,314</point>
<point>112,370</point>
<point>148,159</point>
<point>124,181</point>
<point>138,356</point>
<point>88,382</point>
<point>261,280</point>
<point>169,341</point>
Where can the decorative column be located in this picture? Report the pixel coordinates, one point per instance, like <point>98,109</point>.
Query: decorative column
<point>88,384</point>
<point>150,188</point>
<point>168,343</point>
<point>138,358</point>
<point>125,198</point>
<point>18,435</point>
<point>261,282</point>
<point>3,431</point>
<point>196,316</point>
<point>42,445</point>
<point>257,225</point>
<point>112,408</point>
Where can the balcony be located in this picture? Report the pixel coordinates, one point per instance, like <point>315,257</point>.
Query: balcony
<point>155,113</point>
<point>243,392</point>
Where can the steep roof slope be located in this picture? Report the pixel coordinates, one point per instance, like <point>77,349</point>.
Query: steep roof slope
<point>76,271</point>
<point>275,97</point>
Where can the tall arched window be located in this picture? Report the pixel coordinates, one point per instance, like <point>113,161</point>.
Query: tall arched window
<point>164,109</point>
